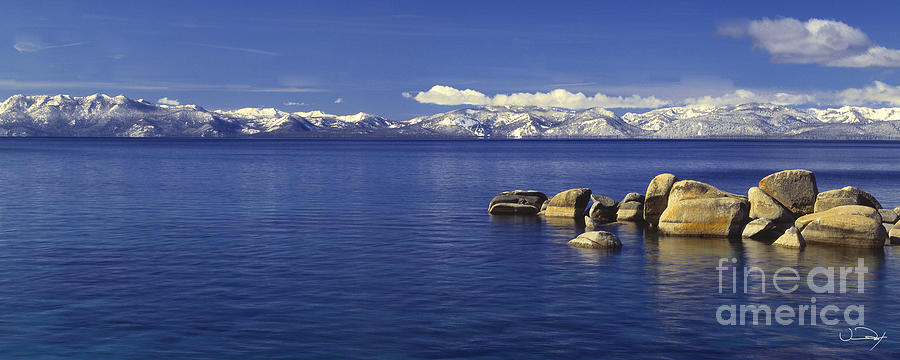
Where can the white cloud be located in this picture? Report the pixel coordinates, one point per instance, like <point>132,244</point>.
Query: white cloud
<point>743,96</point>
<point>446,95</point>
<point>294,103</point>
<point>167,101</point>
<point>338,100</point>
<point>23,46</point>
<point>878,93</point>
<point>816,41</point>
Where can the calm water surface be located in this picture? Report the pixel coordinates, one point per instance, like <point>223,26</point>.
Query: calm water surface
<point>135,249</point>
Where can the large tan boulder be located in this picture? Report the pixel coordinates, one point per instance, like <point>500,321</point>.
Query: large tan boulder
<point>763,206</point>
<point>657,197</point>
<point>596,240</point>
<point>845,196</point>
<point>790,239</point>
<point>510,200</point>
<point>603,209</point>
<point>795,189</point>
<point>848,225</point>
<point>690,189</point>
<point>633,196</point>
<point>722,216</point>
<point>630,211</point>
<point>570,203</point>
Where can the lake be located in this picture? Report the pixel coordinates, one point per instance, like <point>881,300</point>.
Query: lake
<point>278,249</point>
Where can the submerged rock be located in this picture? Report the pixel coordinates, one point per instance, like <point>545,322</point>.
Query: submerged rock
<point>845,196</point>
<point>796,190</point>
<point>657,198</point>
<point>603,209</point>
<point>570,203</point>
<point>722,216</point>
<point>888,216</point>
<point>630,211</point>
<point>757,227</point>
<point>512,209</point>
<point>532,198</point>
<point>763,206</point>
<point>790,239</point>
<point>848,225</point>
<point>596,240</point>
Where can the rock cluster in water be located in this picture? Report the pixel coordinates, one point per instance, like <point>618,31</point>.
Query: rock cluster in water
<point>786,207</point>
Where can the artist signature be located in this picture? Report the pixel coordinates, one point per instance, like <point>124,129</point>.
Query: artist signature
<point>864,331</point>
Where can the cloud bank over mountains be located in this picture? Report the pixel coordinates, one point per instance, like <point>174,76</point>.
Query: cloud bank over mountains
<point>816,41</point>
<point>876,94</point>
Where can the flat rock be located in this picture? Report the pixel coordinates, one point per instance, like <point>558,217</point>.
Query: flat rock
<point>524,197</point>
<point>790,239</point>
<point>596,240</point>
<point>603,209</point>
<point>570,203</point>
<point>845,196</point>
<point>848,225</point>
<point>633,196</point>
<point>512,209</point>
<point>690,189</point>
<point>723,216</point>
<point>763,206</point>
<point>888,216</point>
<point>795,189</point>
<point>630,211</point>
<point>657,198</point>
<point>757,227</point>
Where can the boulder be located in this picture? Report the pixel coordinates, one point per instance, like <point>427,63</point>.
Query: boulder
<point>596,240</point>
<point>848,225</point>
<point>630,211</point>
<point>512,209</point>
<point>633,196</point>
<point>795,189</point>
<point>690,189</point>
<point>790,239</point>
<point>763,206</point>
<point>589,223</point>
<point>722,216</point>
<point>532,198</point>
<point>757,227</point>
<point>603,209</point>
<point>569,203</point>
<point>897,210</point>
<point>845,196</point>
<point>544,205</point>
<point>887,228</point>
<point>895,234</point>
<point>657,197</point>
<point>888,216</point>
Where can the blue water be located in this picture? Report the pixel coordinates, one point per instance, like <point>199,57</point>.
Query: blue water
<point>239,249</point>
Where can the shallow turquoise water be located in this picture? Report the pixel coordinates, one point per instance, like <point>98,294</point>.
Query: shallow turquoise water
<point>221,249</point>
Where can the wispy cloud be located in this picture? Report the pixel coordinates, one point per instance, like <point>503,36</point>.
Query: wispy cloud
<point>31,46</point>
<point>338,100</point>
<point>446,95</point>
<point>241,49</point>
<point>295,103</point>
<point>14,84</point>
<point>744,96</point>
<point>815,41</point>
<point>167,101</point>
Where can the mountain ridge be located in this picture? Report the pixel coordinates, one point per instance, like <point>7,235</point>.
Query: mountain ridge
<point>100,115</point>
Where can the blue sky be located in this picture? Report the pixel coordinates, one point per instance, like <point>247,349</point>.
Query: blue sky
<point>301,56</point>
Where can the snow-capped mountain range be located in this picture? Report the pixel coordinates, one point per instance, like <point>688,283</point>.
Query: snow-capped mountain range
<point>100,115</point>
